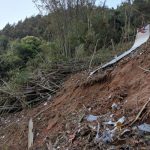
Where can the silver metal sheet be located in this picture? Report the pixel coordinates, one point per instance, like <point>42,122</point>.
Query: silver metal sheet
<point>141,38</point>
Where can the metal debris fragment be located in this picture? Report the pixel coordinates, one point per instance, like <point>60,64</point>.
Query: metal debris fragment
<point>30,134</point>
<point>144,127</point>
<point>91,118</point>
<point>114,106</point>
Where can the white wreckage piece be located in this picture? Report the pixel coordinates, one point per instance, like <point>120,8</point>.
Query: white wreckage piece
<point>141,38</point>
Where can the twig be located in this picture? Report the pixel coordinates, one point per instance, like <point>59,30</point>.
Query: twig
<point>141,111</point>
<point>8,107</point>
<point>42,111</point>
<point>3,91</point>
<point>6,84</point>
<point>146,70</point>
<point>54,84</point>
<point>113,46</point>
<point>97,138</point>
<point>93,54</point>
<point>49,145</point>
<point>44,87</point>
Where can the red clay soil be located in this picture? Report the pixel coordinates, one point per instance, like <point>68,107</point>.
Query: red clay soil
<point>125,84</point>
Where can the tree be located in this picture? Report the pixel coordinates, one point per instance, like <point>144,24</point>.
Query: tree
<point>64,14</point>
<point>142,8</point>
<point>28,47</point>
<point>3,42</point>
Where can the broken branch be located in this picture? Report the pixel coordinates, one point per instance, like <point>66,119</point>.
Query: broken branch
<point>140,113</point>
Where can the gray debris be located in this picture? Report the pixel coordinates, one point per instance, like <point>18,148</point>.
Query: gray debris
<point>114,106</point>
<point>110,123</point>
<point>144,127</point>
<point>91,118</point>
<point>107,136</point>
<point>121,120</point>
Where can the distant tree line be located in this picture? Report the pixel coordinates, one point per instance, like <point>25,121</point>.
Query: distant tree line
<point>76,22</point>
<point>70,29</point>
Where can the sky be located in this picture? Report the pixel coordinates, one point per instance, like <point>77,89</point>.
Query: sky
<point>113,3</point>
<point>11,11</point>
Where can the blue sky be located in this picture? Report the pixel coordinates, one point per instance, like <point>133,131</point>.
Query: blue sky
<point>14,10</point>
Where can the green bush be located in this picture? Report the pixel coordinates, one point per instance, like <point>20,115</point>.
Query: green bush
<point>54,53</point>
<point>18,78</point>
<point>33,41</point>
<point>27,48</point>
<point>11,59</point>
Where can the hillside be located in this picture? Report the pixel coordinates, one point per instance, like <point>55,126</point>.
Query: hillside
<point>62,120</point>
<point>74,80</point>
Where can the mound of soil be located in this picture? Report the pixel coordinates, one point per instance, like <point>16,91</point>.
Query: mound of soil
<point>62,122</point>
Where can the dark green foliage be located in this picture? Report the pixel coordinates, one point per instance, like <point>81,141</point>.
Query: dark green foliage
<point>28,47</point>
<point>3,43</point>
<point>19,53</point>
<point>82,25</point>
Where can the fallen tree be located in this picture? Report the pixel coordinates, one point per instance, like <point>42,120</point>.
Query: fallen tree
<point>40,87</point>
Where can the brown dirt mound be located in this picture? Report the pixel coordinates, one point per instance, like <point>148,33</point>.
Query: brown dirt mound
<point>62,120</point>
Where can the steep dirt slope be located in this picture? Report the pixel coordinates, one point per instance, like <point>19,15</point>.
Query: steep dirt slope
<point>62,121</point>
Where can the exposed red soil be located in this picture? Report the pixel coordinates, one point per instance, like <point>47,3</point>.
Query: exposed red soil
<point>125,84</point>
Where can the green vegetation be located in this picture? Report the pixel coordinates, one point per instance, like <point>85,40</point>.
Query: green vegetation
<point>69,33</point>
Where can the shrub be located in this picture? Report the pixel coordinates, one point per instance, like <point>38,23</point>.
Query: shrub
<point>28,48</point>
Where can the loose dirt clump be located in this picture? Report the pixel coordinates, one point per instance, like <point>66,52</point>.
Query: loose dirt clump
<point>96,79</point>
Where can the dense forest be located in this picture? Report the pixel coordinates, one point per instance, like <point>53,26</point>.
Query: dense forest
<point>70,31</point>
